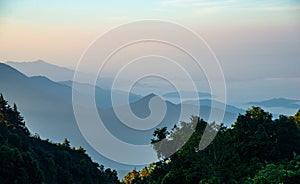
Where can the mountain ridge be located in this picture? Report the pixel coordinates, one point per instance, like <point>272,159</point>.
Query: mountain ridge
<point>278,102</point>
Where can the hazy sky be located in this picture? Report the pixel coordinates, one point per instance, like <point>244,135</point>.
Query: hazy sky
<point>59,31</point>
<point>254,40</point>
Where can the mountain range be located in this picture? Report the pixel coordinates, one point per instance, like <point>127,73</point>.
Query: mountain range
<point>54,72</point>
<point>176,94</point>
<point>48,111</point>
<point>42,68</point>
<point>278,102</point>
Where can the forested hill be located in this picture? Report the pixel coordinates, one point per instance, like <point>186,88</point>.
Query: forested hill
<point>25,158</point>
<point>256,149</point>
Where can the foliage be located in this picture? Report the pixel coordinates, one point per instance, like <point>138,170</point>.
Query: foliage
<point>256,149</point>
<point>138,176</point>
<point>284,172</point>
<point>26,158</point>
<point>296,118</point>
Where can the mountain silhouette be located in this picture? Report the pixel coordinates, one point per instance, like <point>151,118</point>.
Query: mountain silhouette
<point>176,95</point>
<point>278,102</point>
<point>40,67</point>
<point>54,72</point>
<point>47,107</point>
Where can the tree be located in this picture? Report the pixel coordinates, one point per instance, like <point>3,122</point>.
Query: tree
<point>296,118</point>
<point>256,149</point>
<point>29,159</point>
<point>131,177</point>
<point>144,173</point>
<point>66,143</point>
<point>81,149</point>
<point>11,116</point>
<point>18,118</point>
<point>284,172</point>
<point>3,109</point>
<point>159,134</point>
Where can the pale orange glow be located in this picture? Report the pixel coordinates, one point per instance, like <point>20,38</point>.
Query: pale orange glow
<point>55,44</point>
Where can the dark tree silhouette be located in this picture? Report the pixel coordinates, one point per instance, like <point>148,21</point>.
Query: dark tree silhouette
<point>27,158</point>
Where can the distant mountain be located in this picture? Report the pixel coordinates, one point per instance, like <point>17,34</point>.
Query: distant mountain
<point>141,109</point>
<point>187,94</point>
<point>40,161</point>
<point>54,72</point>
<point>103,96</point>
<point>41,68</point>
<point>278,102</point>
<point>40,100</point>
<point>47,107</point>
<point>207,102</point>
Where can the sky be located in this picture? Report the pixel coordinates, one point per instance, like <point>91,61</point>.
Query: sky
<point>256,42</point>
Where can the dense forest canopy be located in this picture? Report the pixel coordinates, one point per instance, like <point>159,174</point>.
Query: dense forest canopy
<point>255,149</point>
<point>25,158</point>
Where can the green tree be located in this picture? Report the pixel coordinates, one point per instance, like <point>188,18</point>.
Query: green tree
<point>256,149</point>
<point>284,172</point>
<point>29,159</point>
<point>66,143</point>
<point>296,118</point>
<point>3,109</point>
